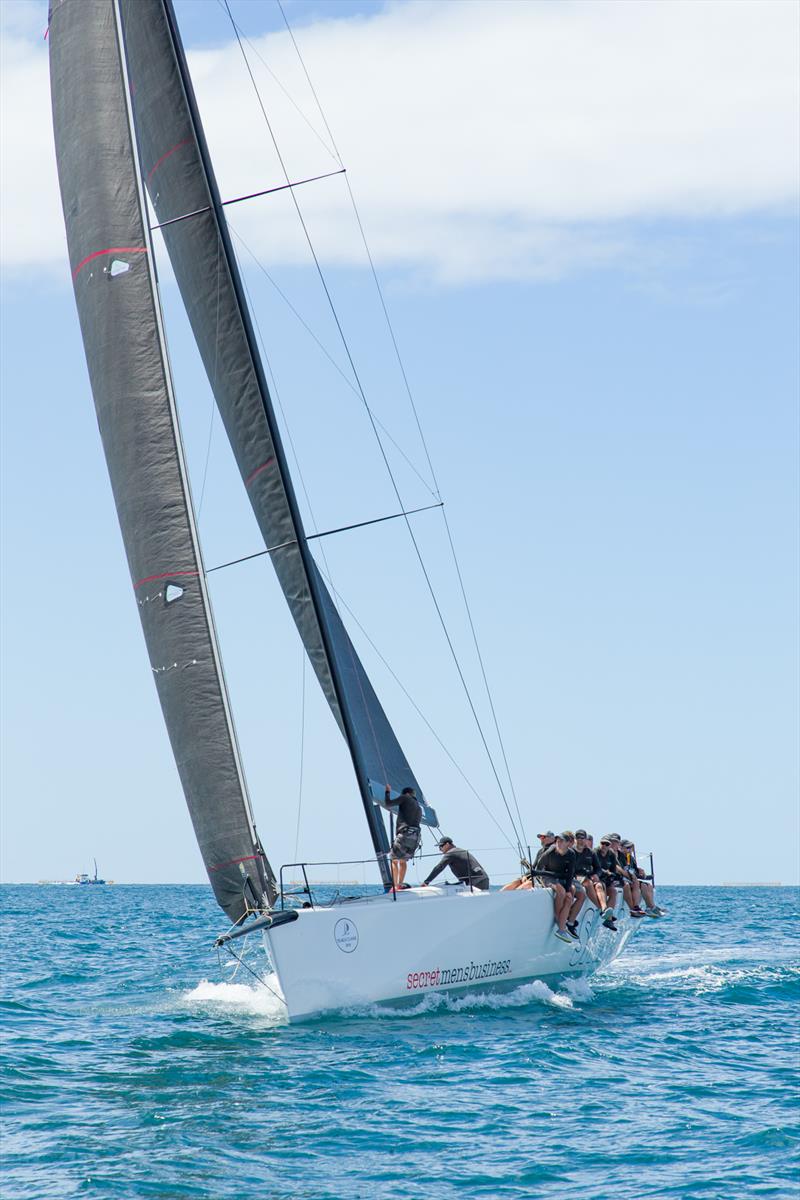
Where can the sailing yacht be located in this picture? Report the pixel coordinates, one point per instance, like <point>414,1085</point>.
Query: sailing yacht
<point>126,126</point>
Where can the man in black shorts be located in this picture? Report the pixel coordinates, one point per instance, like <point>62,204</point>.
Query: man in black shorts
<point>557,865</point>
<point>608,873</point>
<point>464,866</point>
<point>407,834</point>
<point>630,882</point>
<point>587,871</point>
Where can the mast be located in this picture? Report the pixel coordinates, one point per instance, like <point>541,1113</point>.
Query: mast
<point>375,822</point>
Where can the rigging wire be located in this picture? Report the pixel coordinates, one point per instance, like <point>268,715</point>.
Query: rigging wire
<point>260,266</point>
<point>381,447</point>
<point>341,600</point>
<point>255,974</point>
<point>414,410</point>
<point>240,33</point>
<point>328,574</point>
<point>302,747</point>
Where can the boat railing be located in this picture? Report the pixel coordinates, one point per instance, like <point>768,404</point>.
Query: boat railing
<point>293,887</point>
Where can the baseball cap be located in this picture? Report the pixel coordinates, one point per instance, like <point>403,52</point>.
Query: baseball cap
<point>443,840</point>
<point>580,833</point>
<point>615,837</point>
<point>547,833</point>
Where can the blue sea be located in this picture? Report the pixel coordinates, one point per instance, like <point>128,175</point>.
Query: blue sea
<point>134,1065</point>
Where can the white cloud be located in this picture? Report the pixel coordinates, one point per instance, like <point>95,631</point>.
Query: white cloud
<point>482,139</point>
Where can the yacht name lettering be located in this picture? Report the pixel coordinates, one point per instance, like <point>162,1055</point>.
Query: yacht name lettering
<point>445,975</point>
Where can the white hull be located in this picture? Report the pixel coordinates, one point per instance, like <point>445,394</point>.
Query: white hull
<point>430,939</point>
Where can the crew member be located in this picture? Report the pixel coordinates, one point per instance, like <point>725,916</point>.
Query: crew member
<point>407,833</point>
<point>464,866</point>
<point>631,889</point>
<point>558,867</point>
<point>648,892</point>
<point>587,870</point>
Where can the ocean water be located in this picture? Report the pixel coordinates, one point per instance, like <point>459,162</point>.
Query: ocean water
<point>134,1066</point>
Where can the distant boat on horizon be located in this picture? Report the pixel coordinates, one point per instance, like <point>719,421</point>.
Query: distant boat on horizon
<point>81,880</point>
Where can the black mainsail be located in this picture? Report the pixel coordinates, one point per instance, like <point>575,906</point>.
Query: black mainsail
<point>179,177</point>
<point>115,291</point>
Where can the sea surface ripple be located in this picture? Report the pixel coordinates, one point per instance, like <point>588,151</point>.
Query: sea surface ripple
<point>135,1066</point>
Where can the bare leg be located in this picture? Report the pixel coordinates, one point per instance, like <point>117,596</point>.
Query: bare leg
<point>591,892</point>
<point>576,906</point>
<point>559,910</point>
<point>648,893</point>
<point>600,893</point>
<point>611,895</point>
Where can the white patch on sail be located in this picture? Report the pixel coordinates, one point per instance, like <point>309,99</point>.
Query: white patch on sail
<point>118,267</point>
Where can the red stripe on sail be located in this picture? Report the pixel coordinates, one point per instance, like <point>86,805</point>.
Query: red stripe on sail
<point>234,862</point>
<point>258,471</point>
<point>163,575</point>
<point>166,154</point>
<point>108,250</point>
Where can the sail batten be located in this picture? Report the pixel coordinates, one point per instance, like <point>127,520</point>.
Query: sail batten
<point>117,300</point>
<point>181,181</point>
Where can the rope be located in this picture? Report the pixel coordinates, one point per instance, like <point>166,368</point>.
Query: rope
<point>255,974</point>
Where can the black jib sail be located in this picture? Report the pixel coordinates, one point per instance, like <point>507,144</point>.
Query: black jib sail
<point>114,280</point>
<point>180,181</point>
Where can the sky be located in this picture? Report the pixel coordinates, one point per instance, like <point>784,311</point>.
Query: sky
<point>585,221</point>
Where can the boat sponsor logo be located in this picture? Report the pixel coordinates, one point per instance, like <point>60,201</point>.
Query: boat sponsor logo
<point>472,971</point>
<point>345,935</point>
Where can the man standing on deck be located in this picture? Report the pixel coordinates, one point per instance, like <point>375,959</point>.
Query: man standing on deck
<point>464,866</point>
<point>407,834</point>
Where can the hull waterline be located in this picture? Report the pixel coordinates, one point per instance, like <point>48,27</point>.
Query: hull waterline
<point>382,949</point>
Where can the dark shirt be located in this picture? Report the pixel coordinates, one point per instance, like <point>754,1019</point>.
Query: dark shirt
<point>464,866</point>
<point>409,812</point>
<point>560,865</point>
<point>541,851</point>
<point>608,863</point>
<point>586,863</point>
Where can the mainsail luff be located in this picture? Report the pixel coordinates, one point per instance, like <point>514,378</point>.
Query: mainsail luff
<point>180,180</point>
<point>117,301</point>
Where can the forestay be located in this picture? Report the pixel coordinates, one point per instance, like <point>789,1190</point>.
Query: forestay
<point>179,179</point>
<point>115,291</point>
